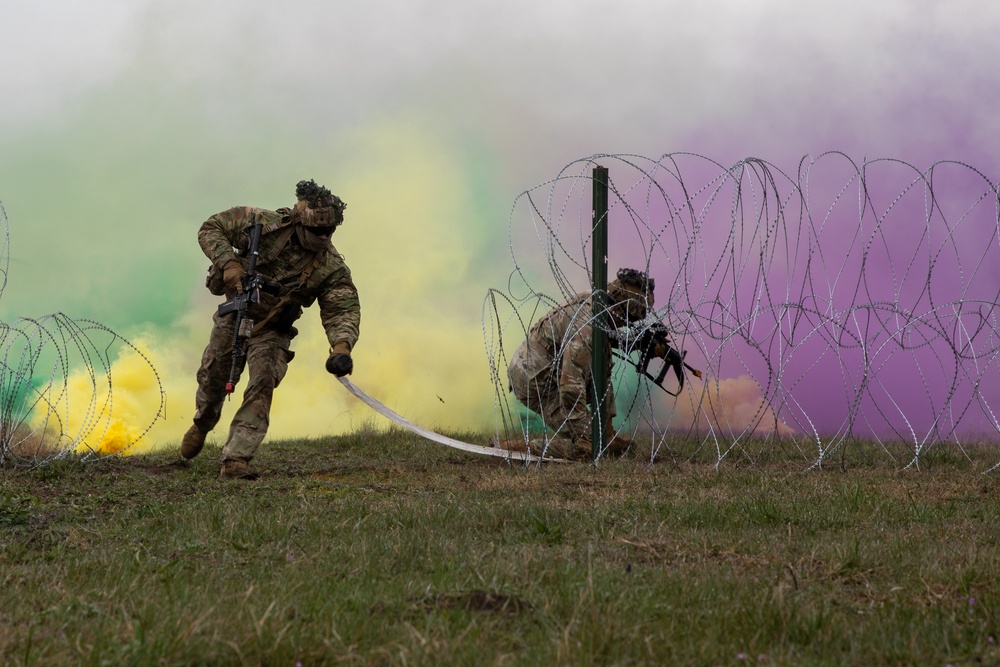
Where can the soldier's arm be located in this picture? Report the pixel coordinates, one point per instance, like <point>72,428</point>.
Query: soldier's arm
<point>340,309</point>
<point>220,234</point>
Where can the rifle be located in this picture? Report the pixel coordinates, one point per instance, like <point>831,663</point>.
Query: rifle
<point>654,343</point>
<point>253,284</point>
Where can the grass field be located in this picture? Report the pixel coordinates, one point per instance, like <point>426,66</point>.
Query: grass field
<point>379,548</point>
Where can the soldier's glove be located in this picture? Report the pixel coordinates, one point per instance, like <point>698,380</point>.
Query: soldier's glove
<point>340,362</point>
<point>232,275</point>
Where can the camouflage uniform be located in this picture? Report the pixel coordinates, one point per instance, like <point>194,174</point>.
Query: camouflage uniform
<point>284,261</point>
<point>550,371</point>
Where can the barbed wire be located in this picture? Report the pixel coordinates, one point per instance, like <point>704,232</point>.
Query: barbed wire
<point>843,302</point>
<point>57,386</point>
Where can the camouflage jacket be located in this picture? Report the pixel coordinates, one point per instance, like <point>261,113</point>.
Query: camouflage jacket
<point>559,344</point>
<point>224,237</point>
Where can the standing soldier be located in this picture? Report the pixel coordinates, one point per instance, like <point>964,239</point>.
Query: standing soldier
<point>299,266</point>
<point>550,372</point>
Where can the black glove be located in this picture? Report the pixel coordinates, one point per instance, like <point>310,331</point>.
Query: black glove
<point>340,364</point>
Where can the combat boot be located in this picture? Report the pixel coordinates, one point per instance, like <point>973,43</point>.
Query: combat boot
<point>193,441</point>
<point>571,450</point>
<point>509,444</point>
<point>237,469</point>
<point>617,446</point>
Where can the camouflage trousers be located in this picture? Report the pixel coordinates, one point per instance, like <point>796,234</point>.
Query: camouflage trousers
<point>562,408</point>
<point>266,356</point>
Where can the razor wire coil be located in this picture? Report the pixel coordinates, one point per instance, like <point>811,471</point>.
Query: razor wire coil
<point>851,300</point>
<point>57,386</point>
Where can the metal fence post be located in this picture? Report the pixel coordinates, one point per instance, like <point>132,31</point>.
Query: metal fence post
<point>599,332</point>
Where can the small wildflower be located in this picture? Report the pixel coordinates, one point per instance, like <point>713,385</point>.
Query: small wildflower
<point>760,657</point>
<point>990,640</point>
<point>741,656</point>
<point>972,601</point>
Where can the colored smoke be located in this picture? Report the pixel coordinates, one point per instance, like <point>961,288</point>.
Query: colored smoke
<point>128,124</point>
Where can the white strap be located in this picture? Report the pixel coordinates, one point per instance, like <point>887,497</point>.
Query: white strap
<point>431,435</point>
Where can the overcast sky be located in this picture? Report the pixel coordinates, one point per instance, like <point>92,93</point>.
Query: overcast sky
<point>890,77</point>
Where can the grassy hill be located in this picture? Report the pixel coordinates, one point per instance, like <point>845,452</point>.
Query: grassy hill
<point>380,548</point>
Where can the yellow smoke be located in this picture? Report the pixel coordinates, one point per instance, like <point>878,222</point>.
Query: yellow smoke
<point>94,414</point>
<point>410,232</point>
<point>411,229</point>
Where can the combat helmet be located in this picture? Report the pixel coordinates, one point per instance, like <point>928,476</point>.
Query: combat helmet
<point>317,206</point>
<point>631,294</point>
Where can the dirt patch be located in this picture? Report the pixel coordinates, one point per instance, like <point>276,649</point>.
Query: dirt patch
<point>484,601</point>
<point>166,468</point>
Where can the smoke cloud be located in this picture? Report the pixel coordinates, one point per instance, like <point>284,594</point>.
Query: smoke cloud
<point>129,123</point>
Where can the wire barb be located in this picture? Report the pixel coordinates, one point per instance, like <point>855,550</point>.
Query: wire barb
<point>839,301</point>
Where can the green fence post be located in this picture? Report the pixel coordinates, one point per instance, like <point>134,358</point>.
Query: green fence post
<point>599,332</point>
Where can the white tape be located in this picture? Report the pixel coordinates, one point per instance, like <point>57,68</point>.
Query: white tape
<point>431,435</point>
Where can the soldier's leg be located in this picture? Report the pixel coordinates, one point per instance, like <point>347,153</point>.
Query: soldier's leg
<point>267,362</point>
<point>525,398</point>
<point>528,391</point>
<point>566,414</point>
<point>216,363</point>
<point>541,395</point>
<point>212,375</point>
<point>615,444</point>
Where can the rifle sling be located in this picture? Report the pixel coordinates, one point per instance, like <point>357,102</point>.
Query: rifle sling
<point>279,243</point>
<point>303,278</point>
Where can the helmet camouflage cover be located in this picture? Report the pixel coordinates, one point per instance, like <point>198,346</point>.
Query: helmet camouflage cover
<point>319,207</point>
<point>631,294</point>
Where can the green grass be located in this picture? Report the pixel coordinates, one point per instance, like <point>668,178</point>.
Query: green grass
<point>379,548</point>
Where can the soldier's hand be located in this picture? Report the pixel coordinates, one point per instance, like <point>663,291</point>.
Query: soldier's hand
<point>232,275</point>
<point>340,364</point>
<point>659,349</point>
